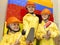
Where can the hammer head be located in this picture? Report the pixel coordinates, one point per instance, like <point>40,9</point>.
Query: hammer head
<point>30,36</point>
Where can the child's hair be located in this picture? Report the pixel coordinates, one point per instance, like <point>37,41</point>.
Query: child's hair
<point>40,18</point>
<point>9,29</point>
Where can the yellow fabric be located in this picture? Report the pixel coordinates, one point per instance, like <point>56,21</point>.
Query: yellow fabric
<point>11,38</point>
<point>46,3</point>
<point>21,26</point>
<point>47,42</point>
<point>41,31</point>
<point>6,29</point>
<point>30,21</point>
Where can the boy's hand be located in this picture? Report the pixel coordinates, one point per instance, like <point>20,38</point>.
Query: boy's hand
<point>47,36</point>
<point>16,43</point>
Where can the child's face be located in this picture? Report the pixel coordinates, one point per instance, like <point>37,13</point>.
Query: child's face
<point>14,26</point>
<point>31,8</point>
<point>45,16</point>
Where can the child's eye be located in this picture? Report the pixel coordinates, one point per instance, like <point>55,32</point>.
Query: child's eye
<point>14,24</point>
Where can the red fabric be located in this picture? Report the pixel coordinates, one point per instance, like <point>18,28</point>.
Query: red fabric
<point>19,12</point>
<point>13,10</point>
<point>47,24</point>
<point>51,18</point>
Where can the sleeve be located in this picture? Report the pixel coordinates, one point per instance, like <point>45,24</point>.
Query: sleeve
<point>26,25</point>
<point>21,26</point>
<point>40,32</point>
<point>22,40</point>
<point>4,41</point>
<point>5,29</point>
<point>55,31</point>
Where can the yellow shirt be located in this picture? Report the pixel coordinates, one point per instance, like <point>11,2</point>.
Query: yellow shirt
<point>42,31</point>
<point>11,38</point>
<point>30,21</point>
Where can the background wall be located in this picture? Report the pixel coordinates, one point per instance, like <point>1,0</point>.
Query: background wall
<point>3,6</point>
<point>56,12</point>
